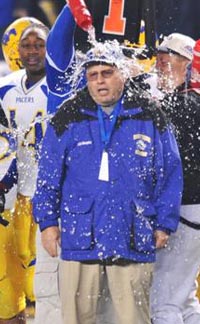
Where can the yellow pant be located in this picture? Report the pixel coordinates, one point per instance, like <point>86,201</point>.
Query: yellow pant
<point>12,296</point>
<point>25,230</point>
<point>25,235</point>
<point>17,251</point>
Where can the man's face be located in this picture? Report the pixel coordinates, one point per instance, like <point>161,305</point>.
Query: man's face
<point>32,52</point>
<point>105,84</point>
<point>171,70</point>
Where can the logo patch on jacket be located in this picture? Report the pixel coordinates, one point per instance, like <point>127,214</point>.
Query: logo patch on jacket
<point>141,141</point>
<point>84,143</point>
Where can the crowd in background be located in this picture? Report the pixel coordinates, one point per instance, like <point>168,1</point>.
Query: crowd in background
<point>170,15</point>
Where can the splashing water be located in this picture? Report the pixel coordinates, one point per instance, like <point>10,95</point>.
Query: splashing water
<point>92,36</point>
<point>126,65</point>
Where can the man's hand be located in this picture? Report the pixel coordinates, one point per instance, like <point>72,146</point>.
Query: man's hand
<point>51,239</point>
<point>161,239</point>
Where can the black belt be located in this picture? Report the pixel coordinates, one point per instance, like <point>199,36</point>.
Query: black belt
<point>3,221</point>
<point>109,261</point>
<point>190,224</point>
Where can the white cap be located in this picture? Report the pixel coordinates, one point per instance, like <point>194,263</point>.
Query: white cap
<point>178,44</point>
<point>109,52</point>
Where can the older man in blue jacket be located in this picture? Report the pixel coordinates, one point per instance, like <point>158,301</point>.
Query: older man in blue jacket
<point>111,171</point>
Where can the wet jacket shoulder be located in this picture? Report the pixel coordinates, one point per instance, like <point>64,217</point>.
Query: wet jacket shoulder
<point>135,95</point>
<point>70,111</point>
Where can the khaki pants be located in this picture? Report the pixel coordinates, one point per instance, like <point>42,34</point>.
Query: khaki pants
<point>80,289</point>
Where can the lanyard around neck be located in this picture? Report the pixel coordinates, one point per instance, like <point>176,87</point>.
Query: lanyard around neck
<point>107,133</point>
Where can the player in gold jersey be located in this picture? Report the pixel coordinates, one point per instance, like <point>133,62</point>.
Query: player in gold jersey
<point>23,97</point>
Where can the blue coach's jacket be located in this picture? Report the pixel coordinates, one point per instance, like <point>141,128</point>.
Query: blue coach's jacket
<point>115,218</point>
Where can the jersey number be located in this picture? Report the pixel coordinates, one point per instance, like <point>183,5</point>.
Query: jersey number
<point>34,135</point>
<point>114,23</point>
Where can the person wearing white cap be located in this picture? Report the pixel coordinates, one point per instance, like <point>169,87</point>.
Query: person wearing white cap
<point>110,170</point>
<point>173,292</point>
<point>173,57</point>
